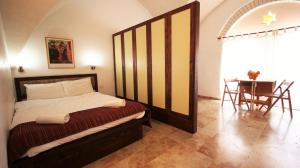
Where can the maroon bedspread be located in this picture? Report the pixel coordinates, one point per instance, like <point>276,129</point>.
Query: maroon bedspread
<point>28,135</point>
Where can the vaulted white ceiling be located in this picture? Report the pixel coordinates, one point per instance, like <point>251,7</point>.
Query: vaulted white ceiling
<point>207,6</point>
<point>287,14</point>
<point>157,7</point>
<point>21,17</point>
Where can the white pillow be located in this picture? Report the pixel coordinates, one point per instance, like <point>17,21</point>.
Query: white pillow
<point>77,87</point>
<point>44,91</point>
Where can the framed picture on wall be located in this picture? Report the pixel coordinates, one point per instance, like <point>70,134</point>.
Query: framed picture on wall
<point>60,53</point>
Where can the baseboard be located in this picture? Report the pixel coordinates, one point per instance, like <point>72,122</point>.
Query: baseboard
<point>208,97</point>
<point>175,119</point>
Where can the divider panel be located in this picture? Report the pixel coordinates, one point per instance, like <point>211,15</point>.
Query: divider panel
<point>180,46</point>
<point>141,54</point>
<point>118,65</point>
<point>129,65</point>
<point>158,62</point>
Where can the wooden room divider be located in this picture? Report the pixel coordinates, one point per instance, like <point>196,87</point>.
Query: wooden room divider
<point>155,64</point>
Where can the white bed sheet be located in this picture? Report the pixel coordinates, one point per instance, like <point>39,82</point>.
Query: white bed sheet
<point>30,110</point>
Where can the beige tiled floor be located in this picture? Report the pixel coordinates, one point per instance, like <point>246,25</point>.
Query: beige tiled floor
<point>225,139</point>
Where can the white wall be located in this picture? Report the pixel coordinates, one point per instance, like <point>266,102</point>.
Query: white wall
<point>6,98</point>
<point>90,23</point>
<point>210,49</point>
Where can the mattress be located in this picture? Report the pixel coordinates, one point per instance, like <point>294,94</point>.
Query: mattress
<point>38,149</point>
<point>89,114</point>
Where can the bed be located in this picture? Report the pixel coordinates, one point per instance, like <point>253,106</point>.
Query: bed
<point>71,149</point>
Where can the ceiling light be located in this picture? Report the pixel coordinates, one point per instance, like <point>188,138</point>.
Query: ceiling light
<point>269,18</point>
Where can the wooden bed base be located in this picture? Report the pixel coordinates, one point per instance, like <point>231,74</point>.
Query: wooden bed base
<point>84,150</point>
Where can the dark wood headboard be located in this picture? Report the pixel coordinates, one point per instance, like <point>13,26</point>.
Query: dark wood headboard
<point>21,90</point>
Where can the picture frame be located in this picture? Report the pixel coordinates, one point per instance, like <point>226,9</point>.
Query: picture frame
<point>60,53</point>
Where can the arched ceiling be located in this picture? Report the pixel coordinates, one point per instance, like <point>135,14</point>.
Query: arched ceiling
<point>287,14</point>
<point>157,7</point>
<point>21,17</point>
<point>207,6</point>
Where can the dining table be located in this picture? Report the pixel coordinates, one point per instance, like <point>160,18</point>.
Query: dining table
<point>255,89</point>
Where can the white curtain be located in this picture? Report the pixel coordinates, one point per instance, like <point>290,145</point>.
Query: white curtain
<point>276,56</point>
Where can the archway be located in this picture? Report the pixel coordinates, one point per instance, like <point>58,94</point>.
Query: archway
<point>271,48</point>
<point>243,11</point>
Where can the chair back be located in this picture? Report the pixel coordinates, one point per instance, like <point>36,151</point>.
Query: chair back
<point>231,84</point>
<point>284,87</point>
<point>232,89</point>
<point>284,93</point>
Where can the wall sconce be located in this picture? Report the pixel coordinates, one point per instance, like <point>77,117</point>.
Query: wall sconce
<point>20,69</point>
<point>93,67</point>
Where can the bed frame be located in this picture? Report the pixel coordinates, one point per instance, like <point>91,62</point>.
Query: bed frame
<point>84,150</point>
